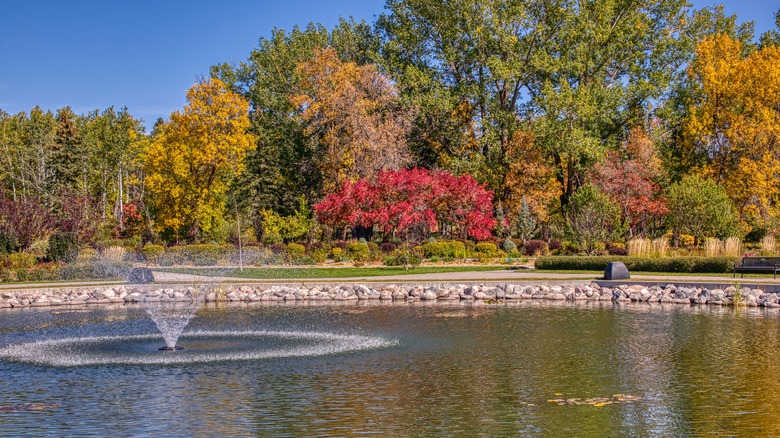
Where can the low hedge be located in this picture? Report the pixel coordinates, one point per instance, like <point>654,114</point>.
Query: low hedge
<point>93,271</point>
<point>711,265</point>
<point>453,249</point>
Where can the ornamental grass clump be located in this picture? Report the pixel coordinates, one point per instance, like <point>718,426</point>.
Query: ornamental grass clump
<point>113,253</point>
<point>768,245</point>
<point>639,247</point>
<point>732,247</point>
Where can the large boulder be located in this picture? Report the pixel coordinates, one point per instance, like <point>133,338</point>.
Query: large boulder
<point>616,271</point>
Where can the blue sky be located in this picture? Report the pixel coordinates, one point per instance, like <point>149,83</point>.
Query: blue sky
<point>144,54</point>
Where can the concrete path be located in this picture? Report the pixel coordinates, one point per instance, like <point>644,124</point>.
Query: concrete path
<point>504,276</point>
<point>469,277</point>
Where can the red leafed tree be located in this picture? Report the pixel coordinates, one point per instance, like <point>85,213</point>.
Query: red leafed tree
<point>628,177</point>
<point>347,207</point>
<point>415,199</point>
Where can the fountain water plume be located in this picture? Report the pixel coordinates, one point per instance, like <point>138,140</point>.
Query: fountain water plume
<point>172,311</point>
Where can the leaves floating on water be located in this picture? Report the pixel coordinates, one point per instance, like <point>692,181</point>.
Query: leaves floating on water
<point>26,407</point>
<point>595,401</point>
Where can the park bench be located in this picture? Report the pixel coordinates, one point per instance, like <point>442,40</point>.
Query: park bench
<point>758,264</point>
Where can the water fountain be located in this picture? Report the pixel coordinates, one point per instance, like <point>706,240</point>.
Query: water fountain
<point>172,314</point>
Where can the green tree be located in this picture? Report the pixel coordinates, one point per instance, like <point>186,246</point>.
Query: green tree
<point>524,225</point>
<point>576,72</point>
<point>282,167</point>
<point>593,218</point>
<point>700,207</point>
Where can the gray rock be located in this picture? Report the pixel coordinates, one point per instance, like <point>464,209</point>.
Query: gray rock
<point>616,271</point>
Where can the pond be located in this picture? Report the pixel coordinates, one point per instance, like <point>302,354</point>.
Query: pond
<point>399,369</point>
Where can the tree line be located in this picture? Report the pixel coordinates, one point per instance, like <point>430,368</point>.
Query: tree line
<point>623,117</point>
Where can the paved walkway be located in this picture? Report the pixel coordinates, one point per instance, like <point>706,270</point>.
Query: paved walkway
<point>504,276</point>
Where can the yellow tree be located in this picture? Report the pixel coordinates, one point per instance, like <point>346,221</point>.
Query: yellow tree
<point>737,123</point>
<point>529,174</point>
<point>354,115</point>
<point>194,157</point>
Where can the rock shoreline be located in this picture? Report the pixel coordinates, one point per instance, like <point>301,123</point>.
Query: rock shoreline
<point>393,292</point>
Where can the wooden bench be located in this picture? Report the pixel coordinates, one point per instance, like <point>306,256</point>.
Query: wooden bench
<point>758,264</point>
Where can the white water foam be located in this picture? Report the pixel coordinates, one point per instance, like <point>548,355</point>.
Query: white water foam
<point>68,352</point>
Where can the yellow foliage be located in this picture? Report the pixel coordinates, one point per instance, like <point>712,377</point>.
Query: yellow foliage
<point>353,116</point>
<point>191,162</point>
<point>530,175</point>
<point>737,123</point>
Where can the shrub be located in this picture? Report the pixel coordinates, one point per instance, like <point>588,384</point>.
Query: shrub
<point>90,271</point>
<point>358,252</point>
<point>267,257</point>
<point>400,259</point>
<point>295,252</point>
<point>387,247</point>
<point>63,247</point>
<point>19,260</point>
<point>250,255</point>
<point>337,253</point>
<point>535,248</point>
<point>113,253</point>
<point>618,251</point>
<point>39,248</point>
<point>318,255</point>
<point>509,246</point>
<point>486,248</point>
<point>278,248</point>
<point>554,245</point>
<point>41,272</point>
<point>202,255</point>
<point>152,253</point>
<point>87,254</point>
<point>451,248</point>
<point>374,253</point>
<point>641,264</point>
<point>174,255</point>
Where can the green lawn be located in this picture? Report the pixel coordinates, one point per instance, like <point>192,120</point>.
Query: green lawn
<point>345,272</point>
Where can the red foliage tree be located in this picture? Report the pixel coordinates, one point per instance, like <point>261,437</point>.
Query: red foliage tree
<point>630,183</point>
<point>400,201</point>
<point>22,223</point>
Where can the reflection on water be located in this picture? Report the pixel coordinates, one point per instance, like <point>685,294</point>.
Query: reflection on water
<point>450,369</point>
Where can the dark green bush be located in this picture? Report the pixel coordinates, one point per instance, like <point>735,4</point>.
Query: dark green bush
<point>63,247</point>
<point>7,243</point>
<point>641,264</point>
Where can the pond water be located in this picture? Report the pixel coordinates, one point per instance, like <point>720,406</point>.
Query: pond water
<point>404,369</point>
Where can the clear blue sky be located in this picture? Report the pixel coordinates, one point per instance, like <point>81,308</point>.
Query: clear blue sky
<point>144,54</point>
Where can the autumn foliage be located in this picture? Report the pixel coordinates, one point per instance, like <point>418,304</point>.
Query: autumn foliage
<point>416,199</point>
